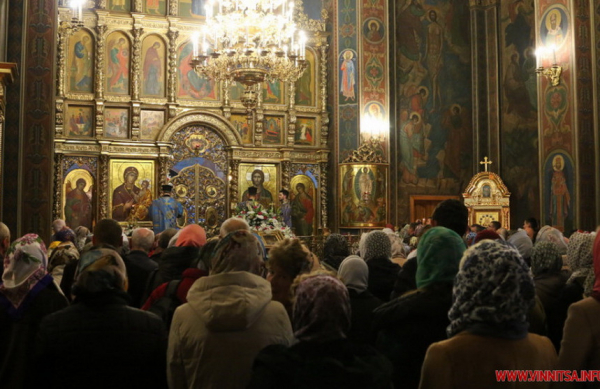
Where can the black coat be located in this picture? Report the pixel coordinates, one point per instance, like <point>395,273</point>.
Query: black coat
<point>408,325</point>
<point>382,275</point>
<point>548,287</point>
<point>362,304</point>
<point>139,269</point>
<point>406,279</point>
<point>18,338</point>
<point>173,262</point>
<point>102,343</point>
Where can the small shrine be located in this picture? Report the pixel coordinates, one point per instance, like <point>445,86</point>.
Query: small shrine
<point>487,198</point>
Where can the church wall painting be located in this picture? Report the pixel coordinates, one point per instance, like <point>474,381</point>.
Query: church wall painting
<point>273,92</point>
<point>155,7</point>
<point>153,66</point>
<point>373,30</point>
<point>151,122</point>
<point>305,131</point>
<point>519,107</point>
<point>116,122</point>
<point>190,85</point>
<point>304,198</point>
<point>347,69</point>
<point>559,191</point>
<point>240,122</point>
<point>79,121</point>
<point>262,176</point>
<point>118,54</point>
<point>119,5</point>
<point>78,197</point>
<point>192,9</point>
<point>131,189</point>
<point>306,86</point>
<point>81,62</point>
<point>363,191</point>
<point>273,130</point>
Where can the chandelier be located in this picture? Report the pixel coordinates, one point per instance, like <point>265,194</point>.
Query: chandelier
<point>77,14</point>
<point>250,41</point>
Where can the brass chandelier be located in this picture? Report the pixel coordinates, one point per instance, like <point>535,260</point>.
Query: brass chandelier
<point>250,41</point>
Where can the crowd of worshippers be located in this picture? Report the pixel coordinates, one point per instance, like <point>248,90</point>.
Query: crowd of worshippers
<point>438,304</point>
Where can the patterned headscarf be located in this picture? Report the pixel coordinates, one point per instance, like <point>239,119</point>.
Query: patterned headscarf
<point>25,272</point>
<point>493,292</point>
<point>191,235</point>
<point>580,256</point>
<point>377,245</point>
<point>335,250</point>
<point>65,235</point>
<point>65,253</point>
<point>354,272</point>
<point>238,251</point>
<point>551,234</point>
<point>545,258</point>
<point>92,261</point>
<point>321,309</point>
<point>596,288</point>
<point>439,252</point>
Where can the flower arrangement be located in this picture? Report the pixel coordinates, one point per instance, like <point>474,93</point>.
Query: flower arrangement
<point>262,219</point>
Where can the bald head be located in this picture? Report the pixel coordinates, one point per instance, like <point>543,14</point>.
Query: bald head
<point>4,238</point>
<point>58,225</point>
<point>142,239</point>
<point>233,224</point>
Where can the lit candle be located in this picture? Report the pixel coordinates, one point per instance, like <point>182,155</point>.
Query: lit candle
<point>195,44</point>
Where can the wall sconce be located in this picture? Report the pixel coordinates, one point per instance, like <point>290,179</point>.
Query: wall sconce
<point>553,72</point>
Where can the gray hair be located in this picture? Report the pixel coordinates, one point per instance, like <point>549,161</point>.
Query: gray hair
<point>233,224</point>
<point>142,239</point>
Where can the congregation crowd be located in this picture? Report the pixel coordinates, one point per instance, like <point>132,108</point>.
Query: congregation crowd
<point>438,304</point>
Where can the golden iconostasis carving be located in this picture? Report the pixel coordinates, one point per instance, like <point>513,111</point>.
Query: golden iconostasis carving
<point>127,97</point>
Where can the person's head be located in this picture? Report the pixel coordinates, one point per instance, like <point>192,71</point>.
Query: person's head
<point>523,244</point>
<point>354,273</point>
<point>335,248</point>
<point>206,254</point>
<point>451,214</point>
<point>477,228</point>
<point>258,178</point>
<point>321,308</point>
<point>166,189</point>
<point>252,191</point>
<point>130,175</point>
<point>377,245</point>
<point>191,235</point>
<point>288,258</point>
<point>100,271</point>
<point>142,239</point>
<point>551,234</point>
<point>493,292</point>
<point>58,225</point>
<point>4,238</point>
<point>503,232</point>
<point>65,235</point>
<point>531,223</point>
<point>553,19</point>
<point>80,184</point>
<point>108,232</point>
<point>438,254</point>
<point>233,224</point>
<point>545,259</point>
<point>26,260</point>
<point>284,195</point>
<point>165,236</point>
<point>238,251</point>
<point>494,226</point>
<point>579,252</point>
<point>486,234</point>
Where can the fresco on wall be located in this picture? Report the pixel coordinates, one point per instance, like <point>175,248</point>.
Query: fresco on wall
<point>190,84</point>
<point>306,85</point>
<point>347,67</point>
<point>272,92</point>
<point>155,7</point>
<point>192,9</point>
<point>273,130</point>
<point>434,97</point>
<point>559,195</point>
<point>519,131</point>
<point>373,30</point>
<point>117,59</point>
<point>81,62</point>
<point>153,66</point>
<point>119,5</point>
<point>554,26</point>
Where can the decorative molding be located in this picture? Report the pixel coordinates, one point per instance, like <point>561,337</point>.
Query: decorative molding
<point>286,174</point>
<point>99,79</point>
<point>102,188</point>
<point>256,154</point>
<point>136,62</point>
<point>234,182</point>
<point>56,211</point>
<point>323,191</point>
<point>172,68</point>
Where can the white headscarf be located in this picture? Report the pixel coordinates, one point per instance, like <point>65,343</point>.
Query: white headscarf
<point>354,273</point>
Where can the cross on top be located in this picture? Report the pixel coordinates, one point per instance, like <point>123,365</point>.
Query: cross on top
<point>485,163</point>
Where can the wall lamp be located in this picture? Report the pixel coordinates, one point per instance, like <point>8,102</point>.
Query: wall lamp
<point>553,72</point>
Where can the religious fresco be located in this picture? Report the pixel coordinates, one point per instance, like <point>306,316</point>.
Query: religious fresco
<point>305,131</point>
<point>347,68</point>
<point>273,92</point>
<point>303,200</point>
<point>273,130</point>
<point>559,191</point>
<point>262,176</point>
<point>519,102</point>
<point>81,62</point>
<point>190,85</point>
<point>153,67</point>
<point>236,89</point>
<point>373,30</point>
<point>306,86</point>
<point>192,9</point>
<point>554,26</point>
<point>78,198</point>
<point>131,187</point>
<point>79,121</point>
<point>151,122</point>
<point>116,122</point>
<point>155,7</point>
<point>434,98</point>
<point>118,52</point>
<point>363,191</point>
<point>119,5</point>
<point>240,122</point>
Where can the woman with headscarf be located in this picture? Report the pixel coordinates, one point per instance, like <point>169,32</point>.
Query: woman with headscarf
<point>377,254</point>
<point>228,319</point>
<point>493,291</point>
<point>64,254</point>
<point>335,250</point>
<point>99,341</point>
<point>354,273</point>
<point>407,325</point>
<point>546,265</point>
<point>27,295</point>
<point>323,356</point>
<point>580,349</point>
<point>551,234</point>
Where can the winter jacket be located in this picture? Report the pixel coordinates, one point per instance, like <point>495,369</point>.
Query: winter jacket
<point>215,337</point>
<point>139,269</point>
<point>382,275</point>
<point>362,304</point>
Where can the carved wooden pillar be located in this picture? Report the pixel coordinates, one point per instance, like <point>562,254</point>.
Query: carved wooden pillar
<point>324,114</point>
<point>103,187</point>
<point>99,79</point>
<point>292,118</point>
<point>56,211</point>
<point>323,191</point>
<point>234,165</point>
<point>172,77</point>
<point>163,166</point>
<point>8,72</point>
<point>286,174</point>
<point>136,61</point>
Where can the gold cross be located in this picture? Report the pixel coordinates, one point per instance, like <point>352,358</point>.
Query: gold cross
<point>485,163</point>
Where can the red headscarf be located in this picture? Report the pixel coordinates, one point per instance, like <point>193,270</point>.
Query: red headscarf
<point>596,292</point>
<point>192,235</point>
<point>486,234</point>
